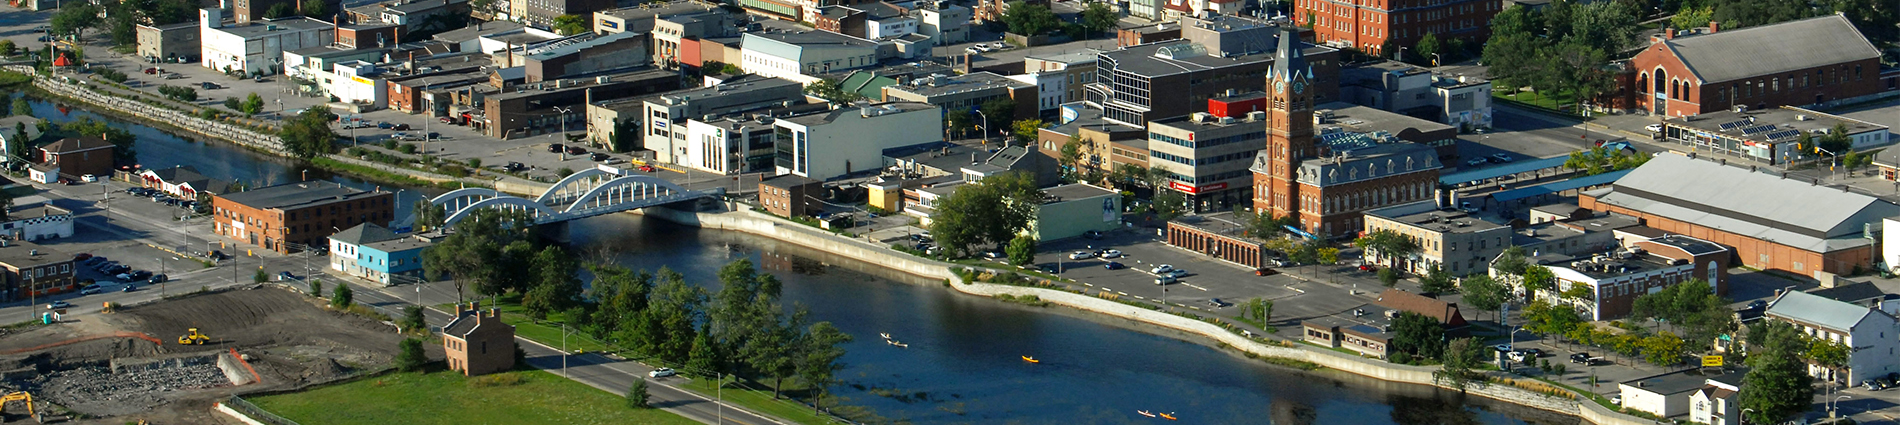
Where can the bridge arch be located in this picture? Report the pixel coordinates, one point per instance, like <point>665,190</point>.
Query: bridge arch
<point>570,180</point>
<point>660,189</point>
<point>536,209</point>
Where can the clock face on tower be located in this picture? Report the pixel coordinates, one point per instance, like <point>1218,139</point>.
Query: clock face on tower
<point>1299,87</point>
<point>1279,87</point>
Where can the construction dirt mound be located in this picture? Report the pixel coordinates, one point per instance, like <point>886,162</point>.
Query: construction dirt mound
<point>287,341</point>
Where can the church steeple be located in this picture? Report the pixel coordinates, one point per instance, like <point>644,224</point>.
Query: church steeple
<point>1289,61</point>
<point>1289,129</point>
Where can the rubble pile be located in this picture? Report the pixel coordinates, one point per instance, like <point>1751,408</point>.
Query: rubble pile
<point>99,391</point>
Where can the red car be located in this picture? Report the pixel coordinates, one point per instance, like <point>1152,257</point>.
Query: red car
<point>1368,268</point>
<point>646,168</point>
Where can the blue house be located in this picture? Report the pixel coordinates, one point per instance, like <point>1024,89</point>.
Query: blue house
<point>375,253</point>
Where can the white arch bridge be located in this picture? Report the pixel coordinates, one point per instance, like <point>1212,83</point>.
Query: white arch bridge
<point>587,193</point>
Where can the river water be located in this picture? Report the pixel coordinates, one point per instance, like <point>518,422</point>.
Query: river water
<point>963,364</point>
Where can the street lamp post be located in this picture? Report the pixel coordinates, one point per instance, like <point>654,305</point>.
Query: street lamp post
<point>986,126</point>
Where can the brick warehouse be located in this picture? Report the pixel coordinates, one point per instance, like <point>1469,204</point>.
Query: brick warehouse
<point>303,213</point>
<point>1811,61</point>
<point>1217,236</point>
<point>1369,25</point>
<point>1783,224</point>
<point>1328,186</point>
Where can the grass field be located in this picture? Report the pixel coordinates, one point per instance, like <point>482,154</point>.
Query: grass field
<point>760,400</point>
<point>442,397</point>
<point>1562,102</point>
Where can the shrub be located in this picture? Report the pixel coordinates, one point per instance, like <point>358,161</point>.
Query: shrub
<point>475,162</point>
<point>259,277</point>
<point>564,172</point>
<point>637,394</point>
<point>408,148</point>
<point>342,297</point>
<point>496,380</point>
<point>316,287</point>
<point>409,355</point>
<point>454,170</point>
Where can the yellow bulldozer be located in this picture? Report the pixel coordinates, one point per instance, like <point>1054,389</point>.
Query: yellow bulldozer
<point>192,337</point>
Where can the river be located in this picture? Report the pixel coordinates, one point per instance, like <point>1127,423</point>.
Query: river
<point>963,363</point>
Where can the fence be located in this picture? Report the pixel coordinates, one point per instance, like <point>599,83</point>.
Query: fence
<point>256,413</point>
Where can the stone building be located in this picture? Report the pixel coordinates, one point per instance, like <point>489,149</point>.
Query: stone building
<point>477,342</point>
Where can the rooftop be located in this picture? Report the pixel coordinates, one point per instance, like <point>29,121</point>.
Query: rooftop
<point>476,29</point>
<point>645,74</point>
<point>22,254</point>
<point>43,209</point>
<point>1445,312</point>
<point>939,85</point>
<point>300,194</point>
<point>1689,245</point>
<point>1426,215</point>
<point>400,244</point>
<point>1073,192</point>
<point>1364,119</point>
<point>1178,57</point>
<point>1772,49</point>
<point>1852,293</point>
<point>826,117</point>
<point>733,86</point>
<point>266,27</point>
<point>1816,310</point>
<point>421,5</point>
<point>1684,381</point>
<point>1792,212</point>
<point>76,144</point>
<point>365,233</point>
<point>787,181</point>
<point>811,38</point>
<point>577,47</point>
<point>655,10</point>
<point>1783,124</point>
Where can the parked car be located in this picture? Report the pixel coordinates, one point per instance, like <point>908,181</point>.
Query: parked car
<point>141,275</point>
<point>1165,280</point>
<point>576,150</point>
<point>1477,161</point>
<point>1583,358</point>
<point>1216,303</point>
<point>1092,234</point>
<point>383,125</point>
<point>129,287</point>
<point>662,373</point>
<point>1368,268</point>
<point>646,168</point>
<point>1653,128</point>
<point>1112,254</point>
<point>1532,352</point>
<point>59,305</point>
<point>1503,157</point>
<point>286,276</point>
<point>994,254</point>
<point>515,166</point>
<point>89,290</point>
<point>1176,273</point>
<point>1872,385</point>
<point>1164,268</point>
<point>400,127</point>
<point>1081,255</point>
<point>158,278</point>
<point>1758,304</point>
<point>448,120</point>
<point>82,256</point>
<point>1114,265</point>
<point>1502,348</point>
<point>556,147</point>
<point>600,156</point>
<point>209,85</point>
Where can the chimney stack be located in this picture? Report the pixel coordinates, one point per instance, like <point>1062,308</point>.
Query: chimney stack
<point>1669,33</point>
<point>1714,26</point>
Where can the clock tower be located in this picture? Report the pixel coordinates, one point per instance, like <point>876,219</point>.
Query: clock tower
<point>1289,132</point>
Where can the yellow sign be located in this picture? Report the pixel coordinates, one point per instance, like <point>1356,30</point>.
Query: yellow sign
<point>360,79</point>
<point>1711,361</point>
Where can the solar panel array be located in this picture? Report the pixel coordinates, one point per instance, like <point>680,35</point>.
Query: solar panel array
<point>1784,134</point>
<point>1758,129</point>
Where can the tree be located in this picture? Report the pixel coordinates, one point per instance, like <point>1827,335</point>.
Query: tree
<point>1436,280</point>
<point>342,297</point>
<point>703,357</point>
<point>280,10</point>
<point>1388,277</point>
<point>479,252</point>
<point>1169,204</point>
<point>554,286</point>
<point>673,308</point>
<point>21,107</point>
<point>1263,224</point>
<point>1155,177</point>
<point>75,18</point>
<point>1418,335</point>
<point>1461,357</point>
<point>989,212</point>
<point>316,285</point>
<point>1031,19</point>
<point>1426,47</point>
<point>428,215</point>
<point>315,9</point>
<point>409,355</point>
<point>1691,17</point>
<point>996,112</point>
<point>1511,261</point>
<point>1578,291</point>
<point>1026,131</point>
<point>260,277</point>
<point>831,91</point>
<point>1836,140</point>
<point>123,142</point>
<point>1022,250</point>
<point>570,24</point>
<point>1604,26</point>
<point>637,394</point>
<point>1691,305</point>
<point>1550,319</point>
<point>958,119</point>
<point>818,363</point>
<point>1387,244</point>
<point>412,318</point>
<point>1664,349</point>
<point>7,47</point>
<point>308,135</point>
<point>1483,293</point>
<point>1777,385</point>
<point>1070,157</point>
<point>1539,278</point>
<point>1600,160</point>
<point>252,105</point>
<point>1098,17</point>
<point>1827,353</point>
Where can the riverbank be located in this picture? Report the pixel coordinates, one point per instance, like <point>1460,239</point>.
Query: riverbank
<point>1563,402</point>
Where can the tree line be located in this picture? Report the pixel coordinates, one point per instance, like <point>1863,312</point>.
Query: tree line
<point>741,331</point>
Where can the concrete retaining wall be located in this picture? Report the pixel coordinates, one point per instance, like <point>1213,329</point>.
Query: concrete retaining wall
<point>772,227</point>
<point>180,120</point>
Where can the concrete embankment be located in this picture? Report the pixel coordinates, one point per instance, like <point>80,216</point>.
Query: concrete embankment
<point>786,231</point>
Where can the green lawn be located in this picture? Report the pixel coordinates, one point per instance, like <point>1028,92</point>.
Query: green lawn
<point>1562,102</point>
<point>447,398</point>
<point>761,402</point>
<point>546,332</point>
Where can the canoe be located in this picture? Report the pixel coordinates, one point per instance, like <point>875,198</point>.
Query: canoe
<point>1031,359</point>
<point>885,335</point>
<point>1145,413</point>
<point>900,344</point>
<point>1168,416</point>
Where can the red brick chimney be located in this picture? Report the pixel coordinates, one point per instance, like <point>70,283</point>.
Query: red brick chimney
<point>1714,26</point>
<point>1669,33</point>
